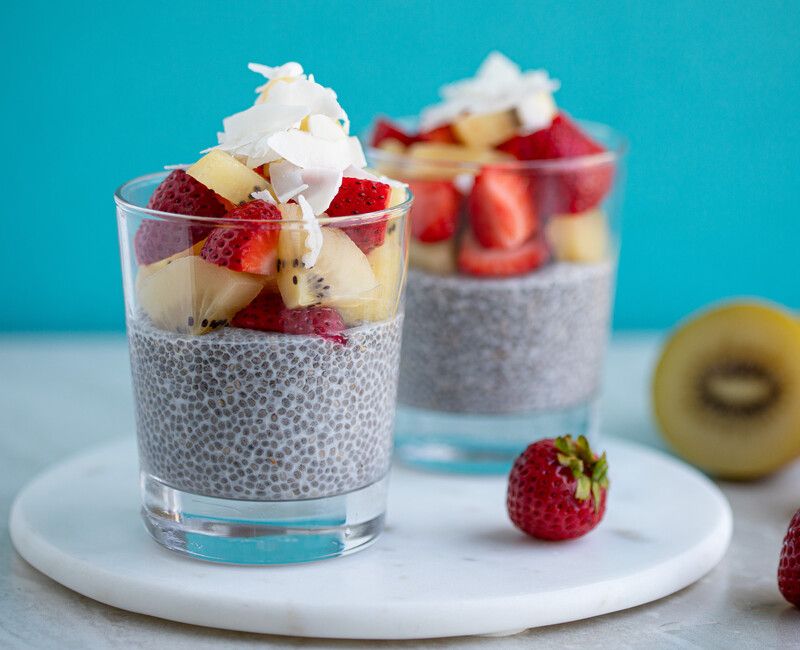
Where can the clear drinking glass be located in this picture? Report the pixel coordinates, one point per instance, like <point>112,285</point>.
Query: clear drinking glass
<point>259,447</point>
<point>490,364</point>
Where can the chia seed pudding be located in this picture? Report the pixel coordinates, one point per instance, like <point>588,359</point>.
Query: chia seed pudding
<point>508,345</point>
<point>244,414</point>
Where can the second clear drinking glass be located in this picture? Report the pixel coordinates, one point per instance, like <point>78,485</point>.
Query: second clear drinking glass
<point>261,447</point>
<point>490,364</point>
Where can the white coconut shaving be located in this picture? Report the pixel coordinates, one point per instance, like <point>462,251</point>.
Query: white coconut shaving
<point>499,85</point>
<point>313,243</point>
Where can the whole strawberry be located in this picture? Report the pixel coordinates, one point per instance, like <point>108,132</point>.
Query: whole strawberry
<point>557,489</point>
<point>789,565</point>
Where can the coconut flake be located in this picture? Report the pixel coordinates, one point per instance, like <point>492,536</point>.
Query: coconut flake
<point>322,126</point>
<point>318,185</point>
<point>499,85</point>
<point>313,243</point>
<point>174,167</point>
<point>357,172</point>
<point>307,151</point>
<point>264,195</point>
<point>317,99</point>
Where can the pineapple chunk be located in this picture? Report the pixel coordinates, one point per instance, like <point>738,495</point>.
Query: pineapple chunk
<point>222,173</point>
<point>486,130</point>
<point>438,258</point>
<point>578,237</point>
<point>447,160</point>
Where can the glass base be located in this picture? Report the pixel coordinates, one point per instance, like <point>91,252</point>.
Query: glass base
<point>483,444</point>
<point>262,532</point>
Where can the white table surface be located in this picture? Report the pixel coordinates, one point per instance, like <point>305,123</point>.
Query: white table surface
<point>58,395</point>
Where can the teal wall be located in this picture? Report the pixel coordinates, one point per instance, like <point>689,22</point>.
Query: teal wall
<point>709,93</point>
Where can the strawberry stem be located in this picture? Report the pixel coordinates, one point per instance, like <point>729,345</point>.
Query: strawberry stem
<point>590,471</point>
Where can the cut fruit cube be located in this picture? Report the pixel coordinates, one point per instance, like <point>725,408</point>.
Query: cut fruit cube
<point>486,130</point>
<point>438,258</point>
<point>222,173</point>
<point>474,259</point>
<point>341,276</point>
<point>435,211</point>
<point>385,130</point>
<point>578,237</point>
<point>191,296</point>
<point>447,160</point>
<point>360,196</point>
<point>501,209</point>
<point>439,134</point>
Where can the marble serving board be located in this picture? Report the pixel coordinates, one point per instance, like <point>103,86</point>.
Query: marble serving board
<point>448,564</point>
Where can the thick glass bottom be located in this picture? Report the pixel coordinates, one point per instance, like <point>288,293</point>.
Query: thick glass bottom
<point>262,532</point>
<point>483,444</point>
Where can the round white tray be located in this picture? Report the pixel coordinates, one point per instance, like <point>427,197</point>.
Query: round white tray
<point>449,563</point>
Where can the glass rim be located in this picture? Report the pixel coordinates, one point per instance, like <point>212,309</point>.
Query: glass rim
<point>339,222</point>
<point>614,152</point>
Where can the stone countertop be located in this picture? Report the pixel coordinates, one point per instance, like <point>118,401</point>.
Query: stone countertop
<point>61,394</point>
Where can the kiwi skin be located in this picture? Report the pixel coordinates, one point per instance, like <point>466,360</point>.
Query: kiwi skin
<point>726,389</point>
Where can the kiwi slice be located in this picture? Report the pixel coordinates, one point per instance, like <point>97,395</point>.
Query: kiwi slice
<point>726,391</point>
<point>188,295</point>
<point>341,276</point>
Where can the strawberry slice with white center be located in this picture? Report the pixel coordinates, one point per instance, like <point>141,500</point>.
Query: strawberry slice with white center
<point>434,214</point>
<point>502,210</point>
<point>250,248</point>
<point>359,196</point>
<point>475,259</point>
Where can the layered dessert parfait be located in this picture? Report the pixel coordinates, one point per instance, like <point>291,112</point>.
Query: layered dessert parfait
<point>264,291</point>
<point>512,263</point>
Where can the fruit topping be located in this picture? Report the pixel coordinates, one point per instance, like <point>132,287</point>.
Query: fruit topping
<point>578,237</point>
<point>557,489</point>
<point>178,193</point>
<point>487,129</point>
<point>228,177</point>
<point>359,196</point>
<point>249,247</point>
<point>439,134</point>
<point>501,209</point>
<point>475,259</point>
<point>438,258</point>
<point>726,390</point>
<point>386,130</point>
<point>341,275</point>
<point>434,214</point>
<point>192,296</point>
<point>568,190</point>
<point>268,314</point>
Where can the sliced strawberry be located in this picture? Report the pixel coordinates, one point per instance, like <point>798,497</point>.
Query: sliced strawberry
<point>474,259</point>
<point>320,321</point>
<point>267,313</point>
<point>434,213</point>
<point>264,313</point>
<point>178,193</point>
<point>439,134</point>
<point>386,130</point>
<point>250,248</point>
<point>359,196</point>
<point>570,191</point>
<point>501,208</point>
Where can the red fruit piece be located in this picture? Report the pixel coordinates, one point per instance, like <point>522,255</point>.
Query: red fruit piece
<point>570,191</point>
<point>557,489</point>
<point>249,248</point>
<point>474,259</point>
<point>385,130</point>
<point>789,565</point>
<point>263,313</point>
<point>439,134</point>
<point>434,213</point>
<point>501,209</point>
<point>178,193</point>
<point>359,196</point>
<point>321,321</point>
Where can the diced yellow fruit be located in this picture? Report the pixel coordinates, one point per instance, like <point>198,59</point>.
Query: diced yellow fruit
<point>398,195</point>
<point>438,258</point>
<point>446,160</point>
<point>486,130</point>
<point>191,296</point>
<point>388,267</point>
<point>392,146</point>
<point>222,173</point>
<point>578,237</point>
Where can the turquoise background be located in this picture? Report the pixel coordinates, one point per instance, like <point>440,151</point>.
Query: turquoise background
<point>95,93</point>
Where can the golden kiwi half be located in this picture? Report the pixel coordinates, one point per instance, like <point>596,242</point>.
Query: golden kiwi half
<point>726,391</point>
